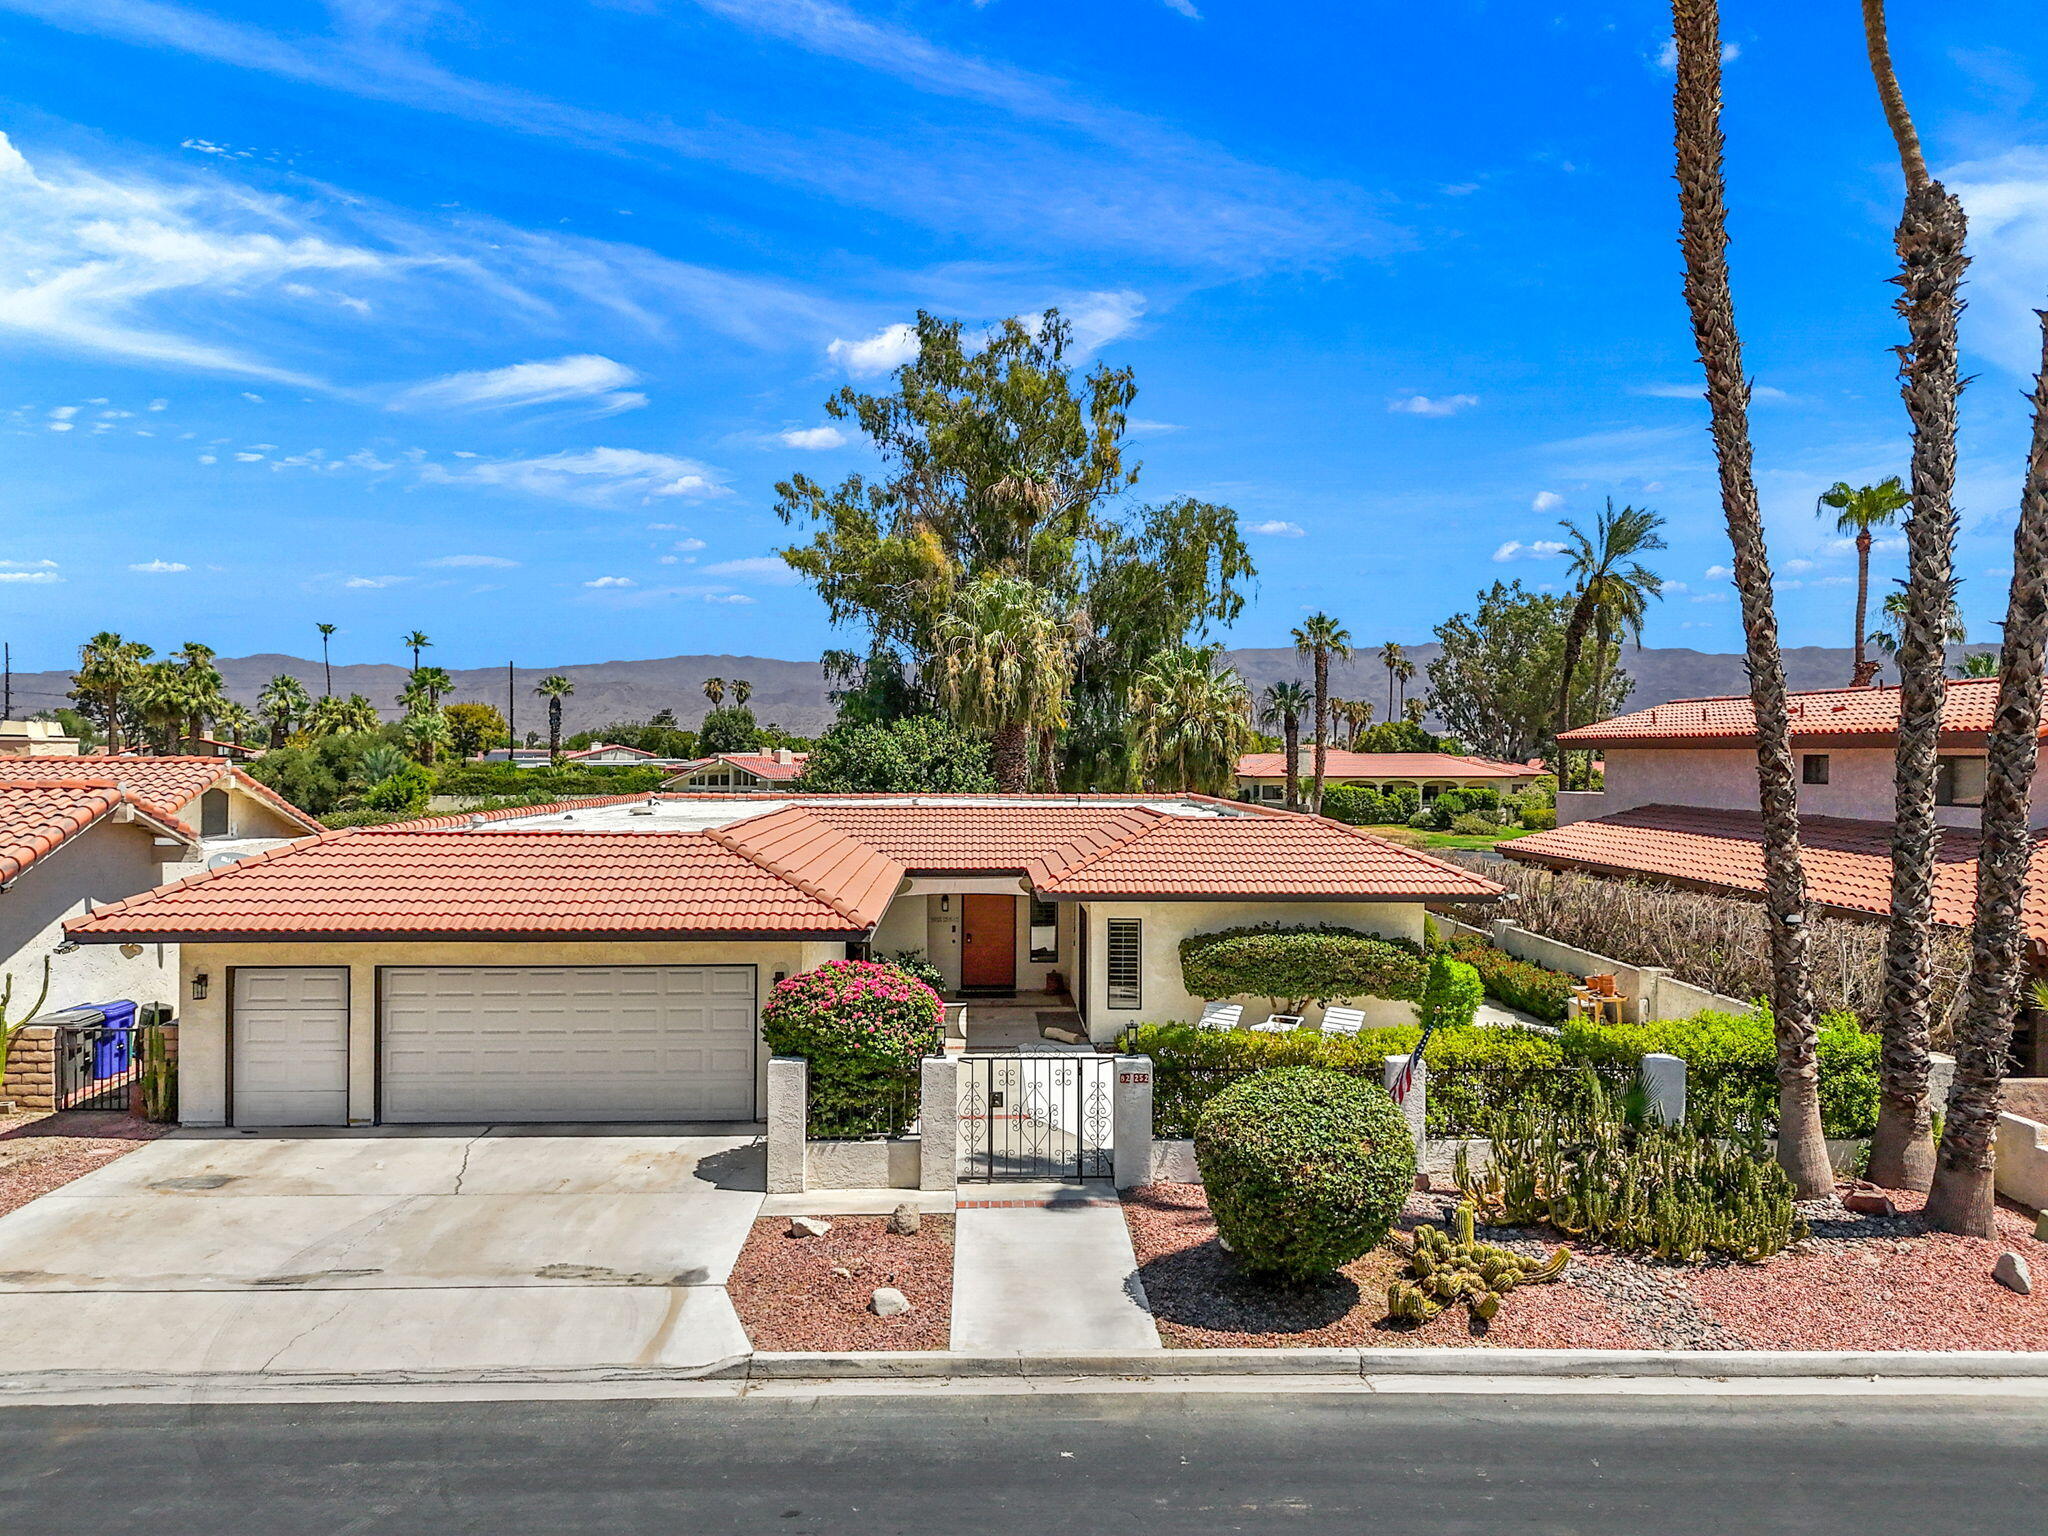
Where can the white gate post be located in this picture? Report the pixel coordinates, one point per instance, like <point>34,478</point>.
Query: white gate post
<point>1416,1110</point>
<point>938,1123</point>
<point>1131,1121</point>
<point>789,1111</point>
<point>1664,1085</point>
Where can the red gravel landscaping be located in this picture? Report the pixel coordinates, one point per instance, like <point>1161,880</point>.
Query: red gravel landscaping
<point>808,1293</point>
<point>44,1152</point>
<point>1898,1288</point>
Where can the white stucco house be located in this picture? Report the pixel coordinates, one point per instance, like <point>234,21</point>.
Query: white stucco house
<point>1262,776</point>
<point>605,959</point>
<point>739,772</point>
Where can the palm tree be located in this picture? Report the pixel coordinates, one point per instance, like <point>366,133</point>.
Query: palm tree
<point>1858,509</point>
<point>1608,574</point>
<point>203,697</point>
<point>1192,722</point>
<point>1002,662</point>
<point>238,720</point>
<point>425,731</point>
<point>1320,637</point>
<point>1983,664</point>
<point>283,703</point>
<point>1961,1196</point>
<point>1703,210</point>
<point>108,667</point>
<point>742,690</point>
<point>1404,674</point>
<point>555,689</point>
<point>381,762</point>
<point>416,642</point>
<point>340,717</point>
<point>161,696</point>
<point>326,665</point>
<point>1932,261</point>
<point>1284,705</point>
<point>434,682</point>
<point>1889,636</point>
<point>1357,715</point>
<point>714,690</point>
<point>1391,657</point>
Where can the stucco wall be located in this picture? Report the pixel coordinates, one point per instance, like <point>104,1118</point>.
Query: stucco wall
<point>203,1042</point>
<point>1166,923</point>
<point>918,921</point>
<point>106,862</point>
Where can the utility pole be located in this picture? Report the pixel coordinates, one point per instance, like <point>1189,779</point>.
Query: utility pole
<point>511,715</point>
<point>7,651</point>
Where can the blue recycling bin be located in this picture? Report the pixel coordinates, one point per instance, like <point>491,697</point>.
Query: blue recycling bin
<point>113,1052</point>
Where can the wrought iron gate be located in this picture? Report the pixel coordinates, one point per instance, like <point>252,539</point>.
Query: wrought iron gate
<point>97,1065</point>
<point>1037,1116</point>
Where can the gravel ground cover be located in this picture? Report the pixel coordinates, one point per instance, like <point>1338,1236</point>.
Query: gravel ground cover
<point>1857,1283</point>
<point>39,1153</point>
<point>813,1292</point>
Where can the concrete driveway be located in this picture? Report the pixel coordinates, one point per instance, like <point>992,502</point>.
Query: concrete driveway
<point>551,1252</point>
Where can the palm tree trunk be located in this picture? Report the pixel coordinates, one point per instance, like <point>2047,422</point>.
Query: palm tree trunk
<point>1962,1195</point>
<point>1290,727</point>
<point>1567,674</point>
<point>1390,691</point>
<point>326,668</point>
<point>1322,725</point>
<point>1862,600</point>
<point>554,729</point>
<point>1932,262</point>
<point>1710,300</point>
<point>114,722</point>
<point>1011,757</point>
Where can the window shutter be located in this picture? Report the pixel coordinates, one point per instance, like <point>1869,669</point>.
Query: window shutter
<point>1126,949</point>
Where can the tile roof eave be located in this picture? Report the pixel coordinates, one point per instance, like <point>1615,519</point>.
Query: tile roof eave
<point>1459,896</point>
<point>114,935</point>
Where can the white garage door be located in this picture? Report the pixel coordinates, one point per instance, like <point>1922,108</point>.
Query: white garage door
<point>632,1042</point>
<point>291,1046</point>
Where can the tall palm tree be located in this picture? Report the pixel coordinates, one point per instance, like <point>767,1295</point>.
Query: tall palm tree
<point>1284,704</point>
<point>331,716</point>
<point>1858,509</point>
<point>238,720</point>
<point>1932,262</point>
<point>1319,638</point>
<point>161,696</point>
<point>1889,636</point>
<point>742,690</point>
<point>283,703</point>
<point>203,696</point>
<point>1391,657</point>
<point>416,642</point>
<point>714,690</point>
<point>1191,722</point>
<point>108,667</point>
<point>1003,660</point>
<point>426,732</point>
<point>1604,564</point>
<point>554,689</point>
<point>1357,715</point>
<point>1961,1196</point>
<point>326,663</point>
<point>1703,218</point>
<point>1404,674</point>
<point>434,682</point>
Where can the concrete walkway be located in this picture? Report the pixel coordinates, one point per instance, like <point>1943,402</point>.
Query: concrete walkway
<point>1058,1278</point>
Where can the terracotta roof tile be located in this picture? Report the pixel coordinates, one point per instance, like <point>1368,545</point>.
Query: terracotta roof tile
<point>1390,765</point>
<point>762,765</point>
<point>1967,711</point>
<point>169,783</point>
<point>36,819</point>
<point>855,880</point>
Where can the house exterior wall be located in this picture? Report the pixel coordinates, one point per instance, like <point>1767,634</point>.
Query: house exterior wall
<point>203,1034</point>
<point>106,862</point>
<point>1164,1000</point>
<point>920,921</point>
<point>1273,791</point>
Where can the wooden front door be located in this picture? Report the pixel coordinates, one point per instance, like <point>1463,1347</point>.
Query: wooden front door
<point>988,941</point>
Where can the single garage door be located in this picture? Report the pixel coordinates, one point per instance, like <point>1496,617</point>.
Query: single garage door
<point>628,1042</point>
<point>290,1059</point>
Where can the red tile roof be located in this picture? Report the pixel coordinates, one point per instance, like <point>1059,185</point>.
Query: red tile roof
<point>1848,863</point>
<point>854,879</point>
<point>169,783</point>
<point>1383,765</point>
<point>36,819</point>
<point>1846,714</point>
<point>762,765</point>
<point>978,834</point>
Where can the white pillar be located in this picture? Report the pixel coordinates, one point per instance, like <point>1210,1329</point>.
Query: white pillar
<point>1664,1084</point>
<point>1416,1110</point>
<point>938,1123</point>
<point>1941,1076</point>
<point>1132,1121</point>
<point>1649,993</point>
<point>789,1108</point>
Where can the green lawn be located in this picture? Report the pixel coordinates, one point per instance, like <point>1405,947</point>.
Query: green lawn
<point>1413,838</point>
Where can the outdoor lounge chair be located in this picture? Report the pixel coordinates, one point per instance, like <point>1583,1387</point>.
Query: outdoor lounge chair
<point>1278,1024</point>
<point>1343,1021</point>
<point>1221,1015</point>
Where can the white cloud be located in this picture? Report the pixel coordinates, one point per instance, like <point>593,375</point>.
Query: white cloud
<point>1546,501</point>
<point>373,583</point>
<point>1184,8</point>
<point>1425,405</point>
<point>1669,587</point>
<point>688,545</point>
<point>160,567</point>
<point>1536,549</point>
<point>610,581</point>
<point>28,565</point>
<point>1139,426</point>
<point>768,570</point>
<point>811,438</point>
<point>1100,318</point>
<point>585,376</point>
<point>63,412</point>
<point>727,597</point>
<point>30,576</point>
<point>884,352</point>
<point>1717,573</point>
<point>1277,529</point>
<point>592,476</point>
<point>159,405</point>
<point>1710,597</point>
<point>61,426</point>
<point>1796,567</point>
<point>2006,197</point>
<point>493,562</point>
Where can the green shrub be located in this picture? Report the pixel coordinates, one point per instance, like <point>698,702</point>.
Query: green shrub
<point>1357,805</point>
<point>1538,818</point>
<point>1452,994</point>
<point>1425,820</point>
<point>1305,1170</point>
<point>337,820</point>
<point>864,1027</point>
<point>1516,983</point>
<point>912,962</point>
<point>406,791</point>
<point>1476,824</point>
<point>1299,964</point>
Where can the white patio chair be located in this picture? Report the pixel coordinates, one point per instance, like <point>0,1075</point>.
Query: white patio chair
<point>1343,1021</point>
<point>1221,1015</point>
<point>1278,1024</point>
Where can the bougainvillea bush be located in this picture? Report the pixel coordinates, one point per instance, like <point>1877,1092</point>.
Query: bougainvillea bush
<point>864,1027</point>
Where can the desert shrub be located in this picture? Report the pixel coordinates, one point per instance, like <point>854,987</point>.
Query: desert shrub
<point>1475,824</point>
<point>864,1027</point>
<point>1516,983</point>
<point>1305,1170</point>
<point>1295,965</point>
<point>1425,820</point>
<point>406,791</point>
<point>1452,994</point>
<point>1538,818</point>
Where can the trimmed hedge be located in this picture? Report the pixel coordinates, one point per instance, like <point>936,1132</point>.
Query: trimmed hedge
<point>1516,983</point>
<point>1452,995</point>
<point>1302,963</point>
<point>1305,1170</point>
<point>864,1027</point>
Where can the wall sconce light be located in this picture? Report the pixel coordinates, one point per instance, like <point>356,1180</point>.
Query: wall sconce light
<point>199,983</point>
<point>945,903</point>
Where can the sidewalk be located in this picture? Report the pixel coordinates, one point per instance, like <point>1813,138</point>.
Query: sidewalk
<point>1052,1274</point>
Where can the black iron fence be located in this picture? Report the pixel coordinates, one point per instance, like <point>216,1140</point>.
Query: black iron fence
<point>98,1065</point>
<point>1037,1116</point>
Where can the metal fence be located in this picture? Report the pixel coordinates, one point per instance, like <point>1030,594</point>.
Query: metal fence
<point>1037,1116</point>
<point>98,1066</point>
<point>845,1113</point>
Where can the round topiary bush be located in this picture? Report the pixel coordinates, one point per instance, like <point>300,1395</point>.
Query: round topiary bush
<point>1305,1170</point>
<point>863,1027</point>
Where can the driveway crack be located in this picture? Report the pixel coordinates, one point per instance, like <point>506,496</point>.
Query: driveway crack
<point>468,1147</point>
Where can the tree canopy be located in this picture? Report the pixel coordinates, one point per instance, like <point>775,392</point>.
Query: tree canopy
<point>1495,681</point>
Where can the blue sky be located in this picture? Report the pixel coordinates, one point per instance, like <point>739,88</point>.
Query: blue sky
<point>501,320</point>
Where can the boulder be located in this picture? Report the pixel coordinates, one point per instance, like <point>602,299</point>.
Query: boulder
<point>904,1220</point>
<point>2011,1272</point>
<point>888,1302</point>
<point>1869,1202</point>
<point>808,1226</point>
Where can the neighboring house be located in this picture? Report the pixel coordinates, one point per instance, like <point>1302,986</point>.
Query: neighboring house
<point>602,755</point>
<point>605,960</point>
<point>739,771</point>
<point>605,752</point>
<point>233,813</point>
<point>1264,774</point>
<point>35,738</point>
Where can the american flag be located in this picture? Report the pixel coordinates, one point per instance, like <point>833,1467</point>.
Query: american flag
<point>1405,1078</point>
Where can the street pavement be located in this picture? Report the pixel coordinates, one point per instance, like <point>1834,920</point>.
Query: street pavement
<point>1168,1462</point>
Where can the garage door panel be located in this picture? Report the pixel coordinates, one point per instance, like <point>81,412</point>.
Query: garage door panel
<point>290,1061</point>
<point>569,1043</point>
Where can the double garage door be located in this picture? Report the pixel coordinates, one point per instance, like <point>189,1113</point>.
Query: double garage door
<point>651,1042</point>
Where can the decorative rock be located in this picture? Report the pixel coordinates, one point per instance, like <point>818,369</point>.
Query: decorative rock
<point>1869,1202</point>
<point>904,1220</point>
<point>808,1226</point>
<point>888,1303</point>
<point>841,1272</point>
<point>2041,1226</point>
<point>2011,1272</point>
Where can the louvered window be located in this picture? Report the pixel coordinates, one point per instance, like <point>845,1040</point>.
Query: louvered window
<point>1126,950</point>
